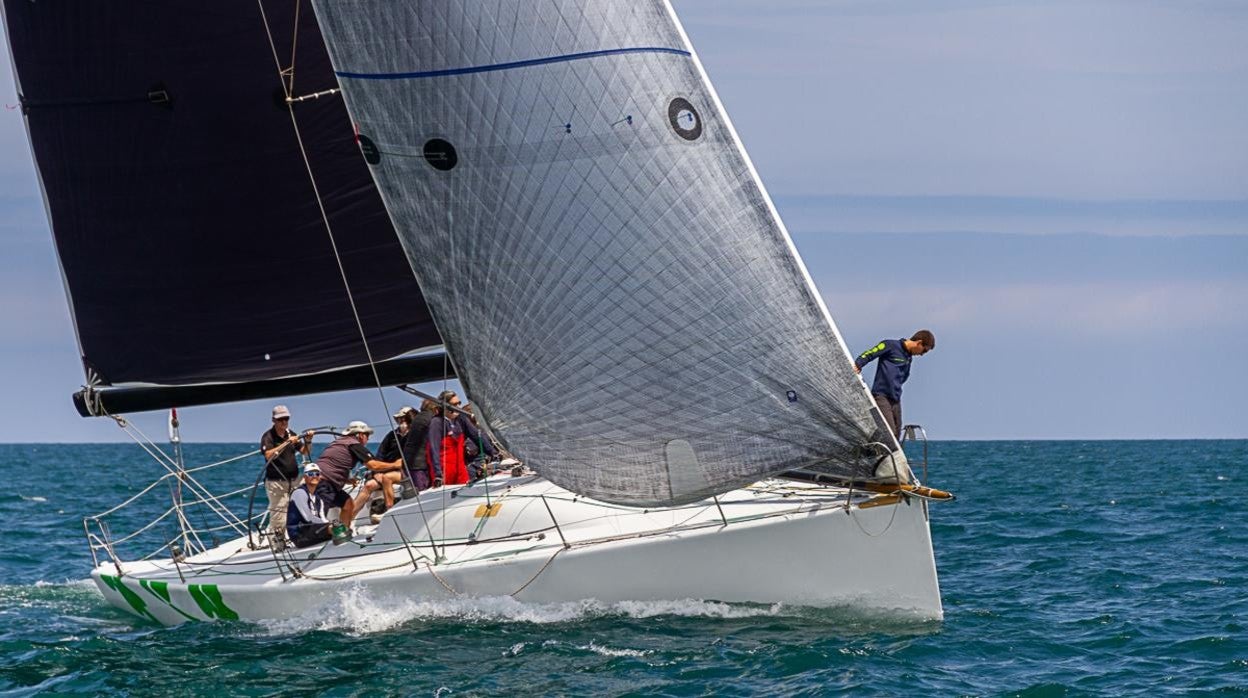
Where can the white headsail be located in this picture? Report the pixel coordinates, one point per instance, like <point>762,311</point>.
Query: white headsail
<point>613,284</point>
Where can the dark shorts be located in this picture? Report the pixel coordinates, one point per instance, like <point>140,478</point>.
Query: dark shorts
<point>311,534</point>
<point>332,493</point>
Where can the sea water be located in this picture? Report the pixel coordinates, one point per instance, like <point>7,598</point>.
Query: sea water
<point>1066,568</point>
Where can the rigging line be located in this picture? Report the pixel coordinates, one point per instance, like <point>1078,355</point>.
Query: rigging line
<point>320,204</point>
<point>896,505</point>
<point>281,74</point>
<point>294,122</point>
<point>192,484</point>
<point>294,45</point>
<point>538,574</point>
<point>186,526</point>
<point>348,575</point>
<point>446,371</point>
<point>441,581</point>
<point>146,527</point>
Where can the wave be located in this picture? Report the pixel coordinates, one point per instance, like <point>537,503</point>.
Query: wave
<point>611,652</point>
<point>55,602</point>
<point>360,612</point>
<point>87,583</point>
<point>593,647</point>
<point>43,590</point>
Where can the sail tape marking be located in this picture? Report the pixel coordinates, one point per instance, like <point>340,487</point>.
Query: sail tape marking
<point>508,66</point>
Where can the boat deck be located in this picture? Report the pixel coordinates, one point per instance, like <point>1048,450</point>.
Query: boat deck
<point>495,518</point>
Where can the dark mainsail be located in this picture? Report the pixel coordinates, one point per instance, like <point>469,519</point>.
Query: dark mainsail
<point>188,230</point>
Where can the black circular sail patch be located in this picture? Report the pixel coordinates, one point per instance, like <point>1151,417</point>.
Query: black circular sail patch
<point>685,120</point>
<point>371,154</point>
<point>440,154</point>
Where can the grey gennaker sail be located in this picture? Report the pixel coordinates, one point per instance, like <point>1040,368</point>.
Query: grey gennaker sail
<point>613,284</point>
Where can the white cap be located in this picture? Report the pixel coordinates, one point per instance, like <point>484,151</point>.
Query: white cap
<point>280,412</point>
<point>311,467</point>
<point>408,412</point>
<point>358,427</point>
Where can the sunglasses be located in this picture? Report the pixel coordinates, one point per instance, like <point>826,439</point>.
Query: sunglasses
<point>312,475</point>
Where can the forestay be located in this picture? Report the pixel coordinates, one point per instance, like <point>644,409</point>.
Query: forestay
<point>610,278</point>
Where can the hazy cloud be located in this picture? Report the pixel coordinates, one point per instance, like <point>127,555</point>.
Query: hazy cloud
<point>1089,310</point>
<point>1033,216</point>
<point>1099,100</point>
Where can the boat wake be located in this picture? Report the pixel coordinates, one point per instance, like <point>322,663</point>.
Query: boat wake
<point>360,612</point>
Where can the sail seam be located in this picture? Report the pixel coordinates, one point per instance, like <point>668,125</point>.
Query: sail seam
<point>512,65</point>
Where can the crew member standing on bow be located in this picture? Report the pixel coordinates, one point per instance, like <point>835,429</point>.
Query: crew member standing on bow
<point>445,448</point>
<point>893,369</point>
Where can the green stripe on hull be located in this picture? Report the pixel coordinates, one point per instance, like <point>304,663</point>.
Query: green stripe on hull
<point>210,602</point>
<point>136,602</point>
<point>161,591</point>
<point>206,596</point>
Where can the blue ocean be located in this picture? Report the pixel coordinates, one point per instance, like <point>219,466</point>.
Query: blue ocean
<point>1067,568</point>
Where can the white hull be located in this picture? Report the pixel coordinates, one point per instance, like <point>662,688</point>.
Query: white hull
<point>782,542</point>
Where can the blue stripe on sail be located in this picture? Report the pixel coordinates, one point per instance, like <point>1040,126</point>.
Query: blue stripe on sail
<point>509,66</point>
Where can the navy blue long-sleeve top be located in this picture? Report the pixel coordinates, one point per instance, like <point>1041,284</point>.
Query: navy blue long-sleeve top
<point>892,370</point>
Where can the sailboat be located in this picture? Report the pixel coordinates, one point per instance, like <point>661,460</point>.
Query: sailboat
<point>555,192</point>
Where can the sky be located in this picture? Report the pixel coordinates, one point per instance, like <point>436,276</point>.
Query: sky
<point>1058,190</point>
